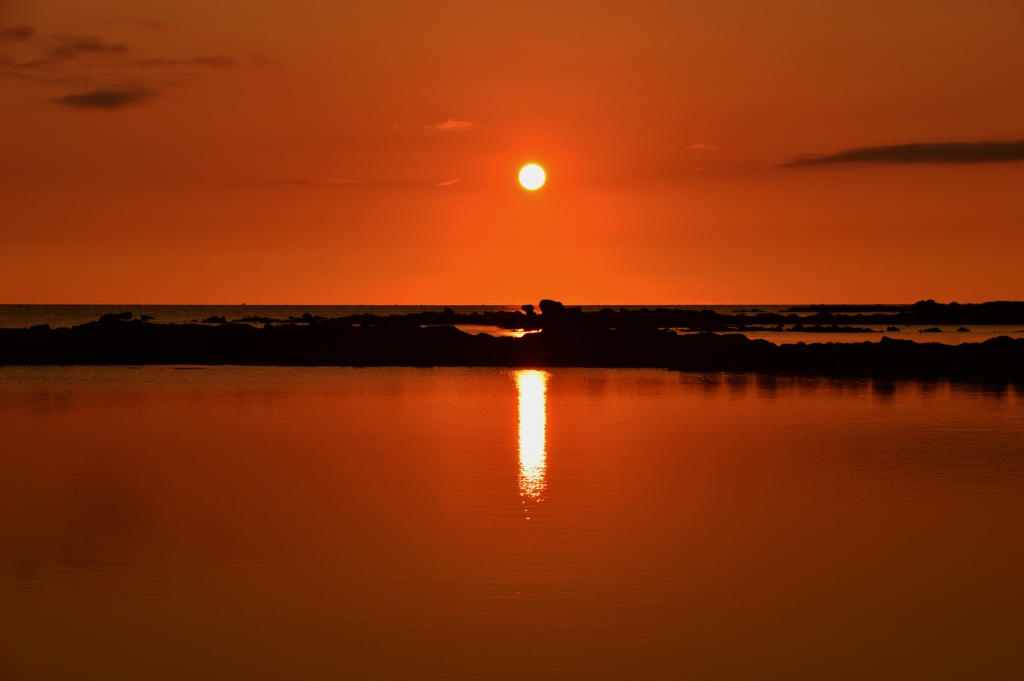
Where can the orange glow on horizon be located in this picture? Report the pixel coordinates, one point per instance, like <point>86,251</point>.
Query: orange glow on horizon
<point>371,156</point>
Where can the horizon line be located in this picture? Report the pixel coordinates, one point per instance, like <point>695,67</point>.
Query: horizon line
<point>517,305</point>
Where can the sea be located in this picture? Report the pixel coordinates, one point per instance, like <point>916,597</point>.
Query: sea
<point>56,316</point>
<point>266,523</point>
<point>464,523</point>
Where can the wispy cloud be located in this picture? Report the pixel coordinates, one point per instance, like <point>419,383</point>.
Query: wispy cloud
<point>930,152</point>
<point>329,181</point>
<point>702,146</point>
<point>449,183</point>
<point>17,33</point>
<point>107,99</point>
<point>71,46</point>
<point>212,62</point>
<point>452,125</point>
<point>22,65</point>
<point>71,58</point>
<point>152,25</point>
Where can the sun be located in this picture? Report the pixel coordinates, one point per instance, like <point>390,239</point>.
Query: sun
<point>532,176</point>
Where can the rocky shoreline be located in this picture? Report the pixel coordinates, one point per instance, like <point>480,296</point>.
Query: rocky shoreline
<point>566,339</point>
<point>800,319</point>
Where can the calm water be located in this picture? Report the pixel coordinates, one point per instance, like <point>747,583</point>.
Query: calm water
<point>281,523</point>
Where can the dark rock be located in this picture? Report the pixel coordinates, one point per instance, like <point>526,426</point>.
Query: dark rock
<point>934,329</point>
<point>551,307</point>
<point>963,329</point>
<point>608,338</point>
<point>116,316</point>
<point>836,318</point>
<point>928,312</point>
<point>257,320</point>
<point>147,318</point>
<point>337,342</point>
<point>307,318</point>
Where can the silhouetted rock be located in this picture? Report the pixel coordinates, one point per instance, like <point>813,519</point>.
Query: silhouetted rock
<point>337,342</point>
<point>925,312</point>
<point>570,337</point>
<point>147,318</point>
<point>934,329</point>
<point>559,317</point>
<point>116,316</point>
<point>258,320</point>
<point>306,318</point>
<point>551,307</point>
<point>835,328</point>
<point>963,329</point>
<point>846,308</point>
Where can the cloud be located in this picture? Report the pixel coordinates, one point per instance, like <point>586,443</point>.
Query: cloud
<point>449,183</point>
<point>71,46</point>
<point>932,152</point>
<point>702,146</point>
<point>8,62</point>
<point>107,99</point>
<point>74,59</point>
<point>215,62</point>
<point>329,181</point>
<point>152,25</point>
<point>212,62</point>
<point>17,33</point>
<point>452,125</point>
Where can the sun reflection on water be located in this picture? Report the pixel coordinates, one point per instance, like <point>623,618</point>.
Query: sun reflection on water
<point>532,386</point>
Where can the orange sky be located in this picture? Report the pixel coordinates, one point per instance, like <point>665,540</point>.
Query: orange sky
<point>161,151</point>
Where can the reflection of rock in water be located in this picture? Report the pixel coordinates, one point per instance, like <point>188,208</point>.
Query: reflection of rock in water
<point>532,387</point>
